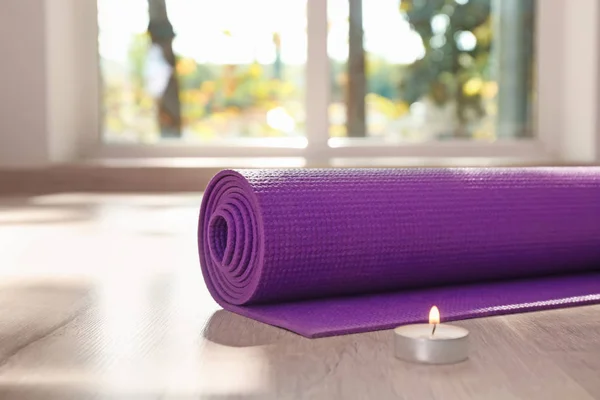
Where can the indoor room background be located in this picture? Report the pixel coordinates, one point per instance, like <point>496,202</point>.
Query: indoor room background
<point>116,114</point>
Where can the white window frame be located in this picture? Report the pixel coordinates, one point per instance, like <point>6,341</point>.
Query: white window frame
<point>566,126</point>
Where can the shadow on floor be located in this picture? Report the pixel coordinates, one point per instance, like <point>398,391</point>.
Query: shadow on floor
<point>229,329</point>
<point>44,215</point>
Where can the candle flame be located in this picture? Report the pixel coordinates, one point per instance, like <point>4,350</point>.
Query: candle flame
<point>434,315</point>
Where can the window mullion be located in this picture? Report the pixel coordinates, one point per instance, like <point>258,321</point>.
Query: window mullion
<point>317,81</point>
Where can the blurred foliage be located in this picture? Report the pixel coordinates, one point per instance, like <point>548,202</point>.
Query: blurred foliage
<point>234,100</point>
<point>449,71</point>
<point>212,97</point>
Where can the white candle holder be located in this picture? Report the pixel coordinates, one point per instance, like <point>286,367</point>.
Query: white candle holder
<point>432,343</point>
<point>415,343</point>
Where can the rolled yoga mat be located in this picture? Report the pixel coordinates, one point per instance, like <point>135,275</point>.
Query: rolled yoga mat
<point>335,251</point>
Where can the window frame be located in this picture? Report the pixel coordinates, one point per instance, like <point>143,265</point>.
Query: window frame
<point>565,126</point>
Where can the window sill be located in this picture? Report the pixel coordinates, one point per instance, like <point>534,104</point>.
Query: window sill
<point>193,174</point>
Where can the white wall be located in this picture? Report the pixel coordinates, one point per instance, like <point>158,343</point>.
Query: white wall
<point>23,100</point>
<point>46,114</point>
<point>581,122</point>
<point>72,77</point>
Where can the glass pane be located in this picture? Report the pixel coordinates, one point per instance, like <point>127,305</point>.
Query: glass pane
<point>202,70</point>
<point>427,70</point>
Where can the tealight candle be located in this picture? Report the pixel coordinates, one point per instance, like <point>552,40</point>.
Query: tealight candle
<point>432,343</point>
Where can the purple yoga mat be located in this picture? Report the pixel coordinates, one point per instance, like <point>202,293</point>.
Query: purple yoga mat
<point>333,251</point>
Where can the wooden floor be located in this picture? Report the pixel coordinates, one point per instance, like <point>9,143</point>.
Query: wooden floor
<point>101,297</point>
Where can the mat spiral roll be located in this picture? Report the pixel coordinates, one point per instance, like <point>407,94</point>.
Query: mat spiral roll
<point>270,237</point>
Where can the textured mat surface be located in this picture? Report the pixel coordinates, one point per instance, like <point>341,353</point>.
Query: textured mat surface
<point>333,251</point>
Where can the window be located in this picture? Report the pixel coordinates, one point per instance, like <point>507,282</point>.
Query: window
<point>202,70</point>
<point>341,78</point>
<point>420,70</point>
